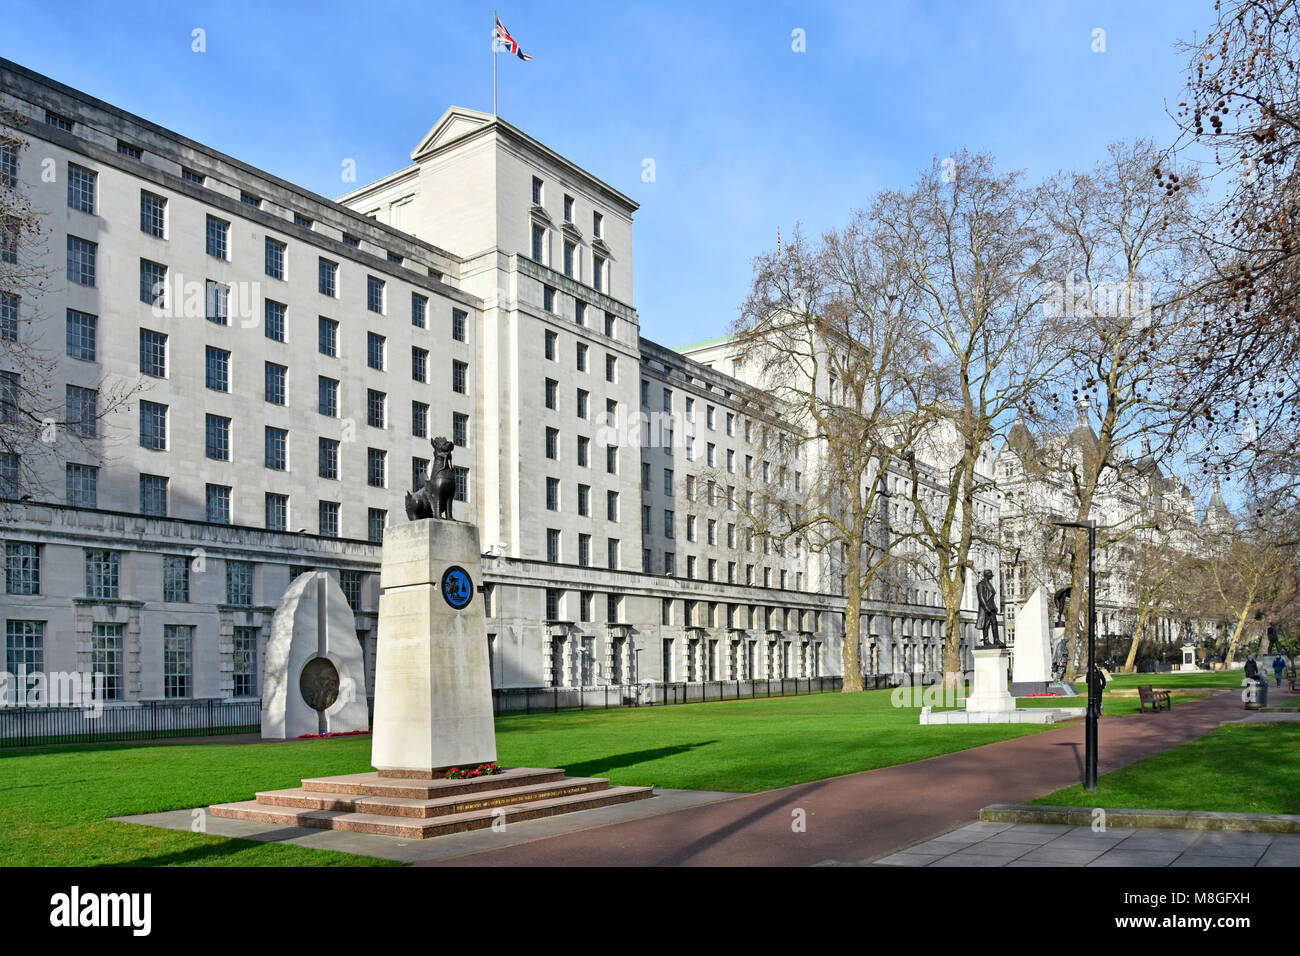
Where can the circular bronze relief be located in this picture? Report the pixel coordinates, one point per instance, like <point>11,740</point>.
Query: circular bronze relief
<point>319,683</point>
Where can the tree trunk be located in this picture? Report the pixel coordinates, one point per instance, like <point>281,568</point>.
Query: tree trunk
<point>852,626</point>
<point>1074,616</point>
<point>1236,636</point>
<point>1129,664</point>
<point>952,663</point>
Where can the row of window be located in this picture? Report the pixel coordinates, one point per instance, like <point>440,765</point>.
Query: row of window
<point>82,491</point>
<point>104,576</point>
<point>551,348</point>
<point>613,550</point>
<point>552,451</point>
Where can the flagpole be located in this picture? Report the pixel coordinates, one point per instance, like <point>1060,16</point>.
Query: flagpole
<point>494,64</point>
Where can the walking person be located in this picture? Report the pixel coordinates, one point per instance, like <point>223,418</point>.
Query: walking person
<point>1279,665</point>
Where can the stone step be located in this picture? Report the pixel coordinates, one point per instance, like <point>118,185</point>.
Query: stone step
<point>373,785</point>
<point>439,806</point>
<point>420,829</point>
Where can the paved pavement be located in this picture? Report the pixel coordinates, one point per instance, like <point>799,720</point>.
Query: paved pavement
<point>1039,844</point>
<point>868,815</point>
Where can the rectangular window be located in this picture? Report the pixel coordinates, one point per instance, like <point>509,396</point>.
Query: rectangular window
<point>218,503</point>
<point>275,256</point>
<point>668,524</point>
<point>375,294</point>
<point>9,475</point>
<point>613,548</point>
<point>22,568</point>
<point>349,240</point>
<point>376,351</point>
<point>551,339</point>
<point>350,585</point>
<point>81,261</point>
<point>420,420</point>
<point>178,660</point>
<point>458,370</point>
<point>218,303</point>
<point>459,429</point>
<point>376,519</point>
<point>570,252</point>
<point>153,283</point>
<point>611,505</point>
<point>537,191</point>
<point>582,357</point>
<point>218,438</point>
<point>376,468</point>
<point>539,242</point>
<point>568,209</point>
<point>276,383</point>
<point>218,369</point>
<point>153,215</point>
<point>277,448</point>
<point>548,298</point>
<point>553,443</point>
<point>376,408</point>
<point>597,225</point>
<point>598,273</point>
<point>552,494</point>
<point>24,647</point>
<point>301,221</point>
<point>609,324</point>
<point>552,391</point>
<point>611,459</point>
<point>462,484</point>
<point>328,466</point>
<point>8,164</point>
<point>419,364</point>
<point>579,312</point>
<point>106,658</point>
<point>103,574</point>
<point>126,149</point>
<point>611,368</point>
<point>10,383</point>
<point>584,550</point>
<point>81,410</point>
<point>81,188</point>
<point>553,545</point>
<point>419,472</point>
<point>328,337</point>
<point>244,654</point>
<point>277,512</point>
<point>190,176</point>
<point>329,519</point>
<point>176,579</point>
<point>153,495</point>
<point>583,401</point>
<point>248,199</point>
<point>458,324</point>
<point>239,583</point>
<point>82,485</point>
<point>419,310</point>
<point>327,390</point>
<point>82,327</point>
<point>153,426</point>
<point>275,320</point>
<point>218,237</point>
<point>328,278</point>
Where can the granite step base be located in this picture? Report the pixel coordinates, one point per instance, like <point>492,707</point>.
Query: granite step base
<point>422,808</point>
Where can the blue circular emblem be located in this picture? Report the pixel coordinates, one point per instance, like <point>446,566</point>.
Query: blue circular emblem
<point>457,588</point>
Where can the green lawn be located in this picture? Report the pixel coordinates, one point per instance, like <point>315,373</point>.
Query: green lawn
<point>55,802</point>
<point>1250,769</point>
<point>1111,705</point>
<point>1199,679</point>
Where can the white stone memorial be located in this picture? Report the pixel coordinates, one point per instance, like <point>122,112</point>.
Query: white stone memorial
<point>314,679</point>
<point>433,685</point>
<point>1032,671</point>
<point>1188,665</point>
<point>989,694</point>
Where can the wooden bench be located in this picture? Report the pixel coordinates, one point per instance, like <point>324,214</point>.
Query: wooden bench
<point>1158,699</point>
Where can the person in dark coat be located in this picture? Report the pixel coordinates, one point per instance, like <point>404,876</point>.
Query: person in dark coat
<point>1252,669</point>
<point>1279,665</point>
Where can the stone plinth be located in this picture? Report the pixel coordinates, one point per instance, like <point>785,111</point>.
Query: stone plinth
<point>1032,672</point>
<point>989,694</point>
<point>433,686</point>
<point>314,678</point>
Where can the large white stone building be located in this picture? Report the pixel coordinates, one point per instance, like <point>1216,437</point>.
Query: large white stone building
<point>286,360</point>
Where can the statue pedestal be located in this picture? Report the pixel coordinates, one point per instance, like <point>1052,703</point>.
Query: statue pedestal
<point>989,694</point>
<point>433,686</point>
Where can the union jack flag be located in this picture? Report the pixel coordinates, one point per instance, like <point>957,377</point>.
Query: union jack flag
<point>509,42</point>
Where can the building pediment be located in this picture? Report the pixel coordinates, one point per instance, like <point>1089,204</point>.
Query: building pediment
<point>457,123</point>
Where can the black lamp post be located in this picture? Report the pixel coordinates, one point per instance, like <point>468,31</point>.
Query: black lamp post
<point>1094,692</point>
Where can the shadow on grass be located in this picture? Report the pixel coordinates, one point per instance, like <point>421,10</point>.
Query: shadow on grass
<point>599,765</point>
<point>229,846</point>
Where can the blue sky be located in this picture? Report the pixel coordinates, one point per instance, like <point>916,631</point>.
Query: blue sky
<point>747,135</point>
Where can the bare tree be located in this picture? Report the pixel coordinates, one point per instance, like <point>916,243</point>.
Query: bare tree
<point>1133,268</point>
<point>827,331</point>
<point>977,252</point>
<point>1254,572</point>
